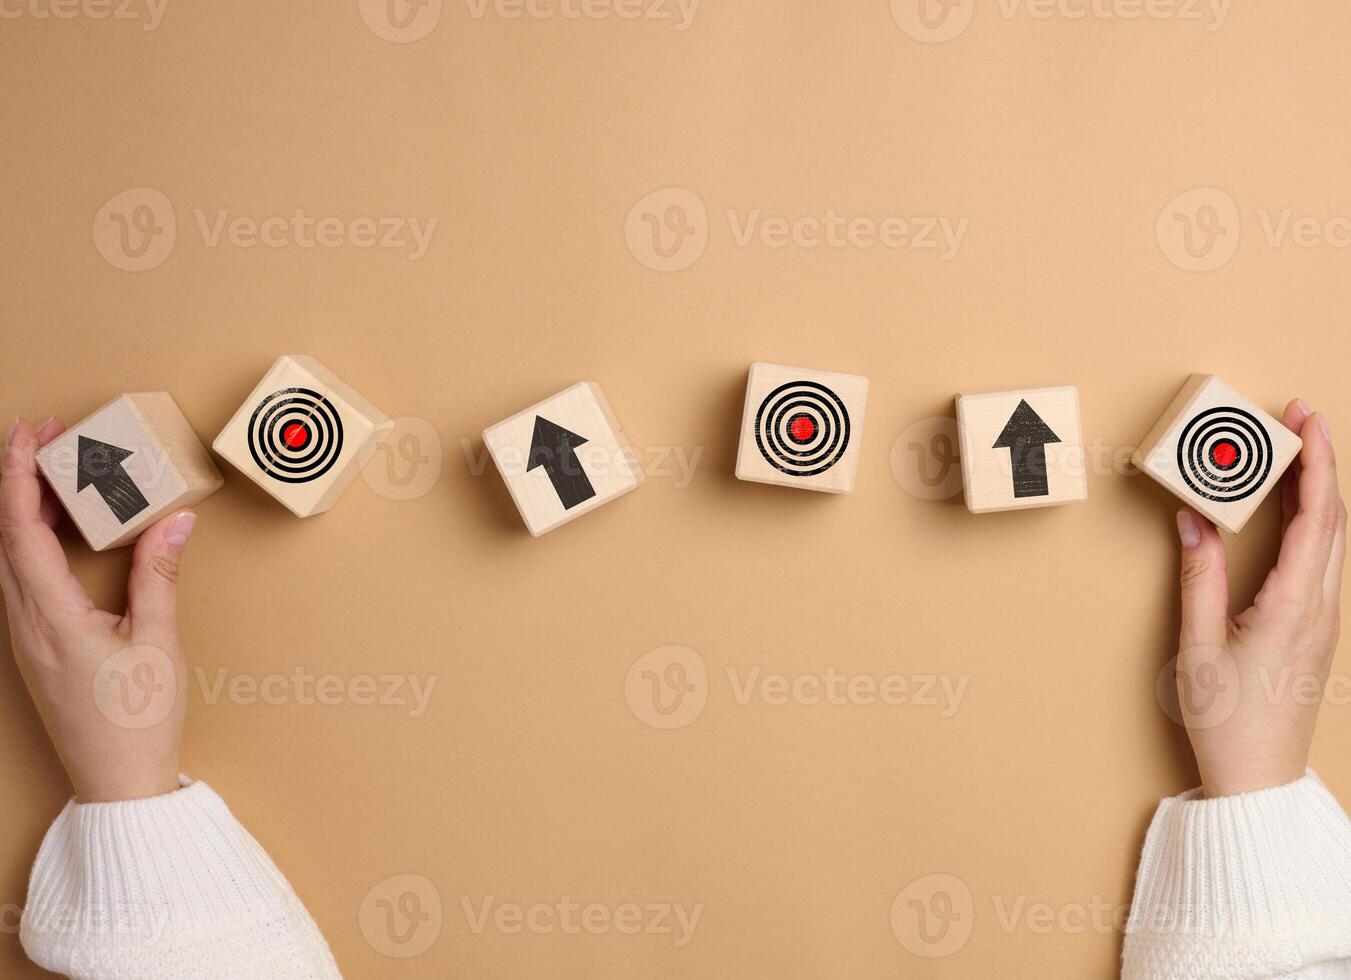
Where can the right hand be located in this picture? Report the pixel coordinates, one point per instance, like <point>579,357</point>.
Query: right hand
<point>1267,667</point>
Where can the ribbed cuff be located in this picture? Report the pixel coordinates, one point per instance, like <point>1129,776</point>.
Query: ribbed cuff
<point>168,886</point>
<point>1256,885</point>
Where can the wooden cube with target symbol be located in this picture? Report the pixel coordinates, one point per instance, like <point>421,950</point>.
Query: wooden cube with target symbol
<point>303,434</point>
<point>1021,448</point>
<point>563,457</point>
<point>802,428</point>
<point>130,463</point>
<point>1217,451</point>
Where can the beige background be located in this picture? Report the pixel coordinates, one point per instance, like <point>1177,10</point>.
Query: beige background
<point>529,777</point>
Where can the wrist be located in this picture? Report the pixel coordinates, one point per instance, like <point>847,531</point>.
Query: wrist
<point>1219,785</point>
<point>106,787</point>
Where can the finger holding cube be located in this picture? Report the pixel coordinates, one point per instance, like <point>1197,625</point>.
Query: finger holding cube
<point>1217,451</point>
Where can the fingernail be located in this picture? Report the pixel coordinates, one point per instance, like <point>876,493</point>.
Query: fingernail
<point>12,426</point>
<point>1327,429</point>
<point>1188,530</point>
<point>46,422</point>
<point>180,528</point>
<point>1304,407</point>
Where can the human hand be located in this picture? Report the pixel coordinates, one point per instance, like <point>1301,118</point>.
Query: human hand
<point>1265,668</point>
<point>111,690</point>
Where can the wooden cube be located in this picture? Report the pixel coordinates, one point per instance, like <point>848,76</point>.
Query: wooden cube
<point>1217,451</point>
<point>1021,448</point>
<point>802,428</point>
<point>563,457</point>
<point>303,434</point>
<point>130,463</point>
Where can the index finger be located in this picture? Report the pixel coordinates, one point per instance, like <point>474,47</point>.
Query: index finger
<point>31,547</point>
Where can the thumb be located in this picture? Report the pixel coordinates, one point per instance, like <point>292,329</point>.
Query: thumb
<point>1205,582</point>
<point>152,592</point>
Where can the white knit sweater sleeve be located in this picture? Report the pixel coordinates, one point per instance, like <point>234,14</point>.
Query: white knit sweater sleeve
<point>169,887</point>
<point>1257,885</point>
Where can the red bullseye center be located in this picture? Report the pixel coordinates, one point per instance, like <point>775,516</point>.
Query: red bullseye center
<point>1224,454</point>
<point>802,429</point>
<point>295,434</point>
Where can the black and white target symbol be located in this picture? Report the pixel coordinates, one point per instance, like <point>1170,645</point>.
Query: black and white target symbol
<point>295,435</point>
<point>802,428</point>
<point>1224,454</point>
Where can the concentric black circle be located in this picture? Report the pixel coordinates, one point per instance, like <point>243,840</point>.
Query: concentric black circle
<point>310,458</point>
<point>786,440</point>
<point>1198,456</point>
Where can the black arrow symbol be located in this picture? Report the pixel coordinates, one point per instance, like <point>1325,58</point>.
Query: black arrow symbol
<point>100,465</point>
<point>1025,436</point>
<point>554,448</point>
